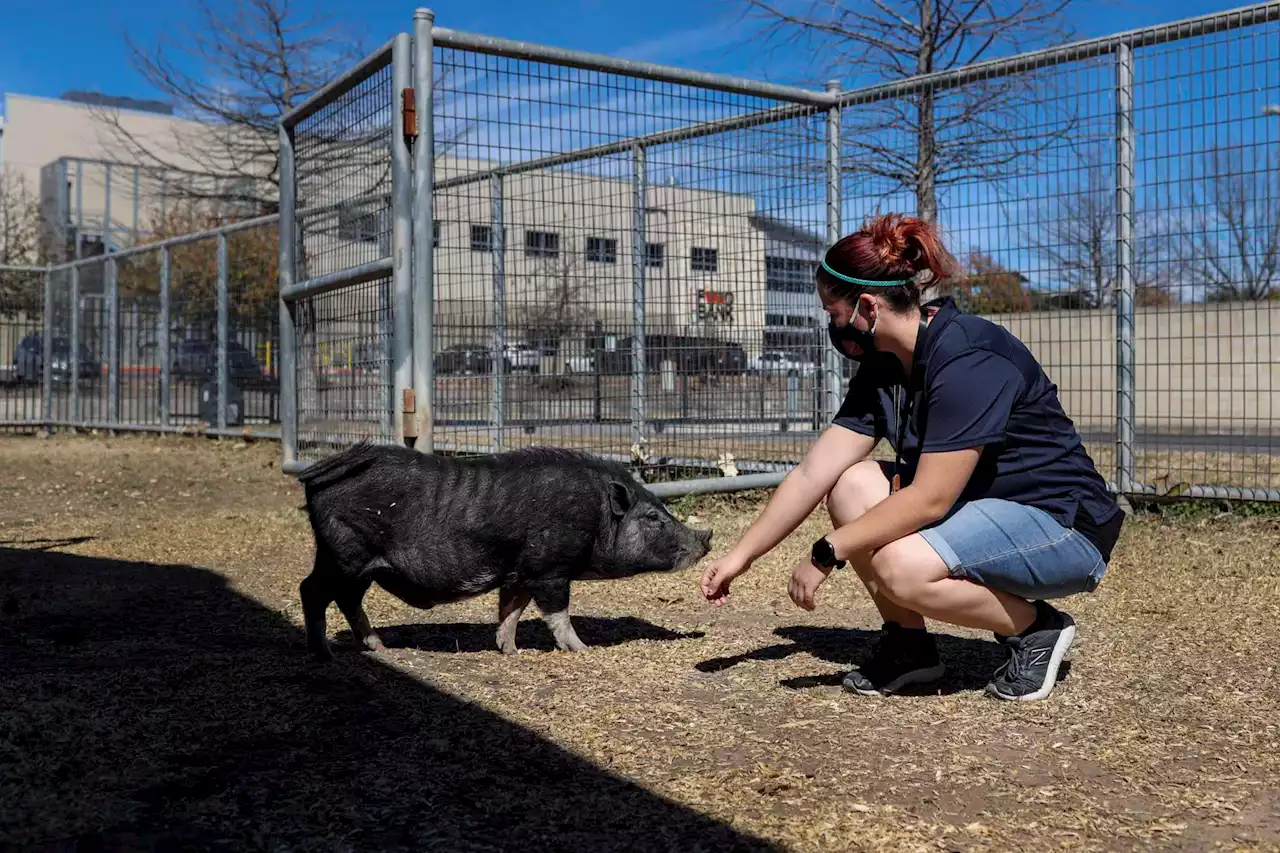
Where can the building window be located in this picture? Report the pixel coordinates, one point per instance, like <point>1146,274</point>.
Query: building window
<point>704,260</point>
<point>602,250</point>
<point>775,320</point>
<point>654,254</point>
<point>364,223</point>
<point>542,244</point>
<point>788,275</point>
<point>435,233</point>
<point>482,238</point>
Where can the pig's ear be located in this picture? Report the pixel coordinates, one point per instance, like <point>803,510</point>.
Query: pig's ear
<point>620,499</point>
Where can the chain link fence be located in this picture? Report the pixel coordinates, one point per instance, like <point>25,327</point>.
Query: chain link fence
<point>485,244</point>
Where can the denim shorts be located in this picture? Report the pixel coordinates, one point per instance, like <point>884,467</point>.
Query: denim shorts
<point>1015,548</point>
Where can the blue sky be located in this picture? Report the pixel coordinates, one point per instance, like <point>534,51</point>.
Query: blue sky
<point>47,48</point>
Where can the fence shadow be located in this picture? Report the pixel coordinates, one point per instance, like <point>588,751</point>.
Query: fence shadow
<point>969,662</point>
<point>150,707</point>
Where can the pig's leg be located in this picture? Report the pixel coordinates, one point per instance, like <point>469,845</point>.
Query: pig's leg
<point>552,598</point>
<point>349,596</point>
<point>316,591</point>
<point>512,600</point>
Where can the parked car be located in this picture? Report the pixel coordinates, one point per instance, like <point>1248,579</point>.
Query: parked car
<point>463,359</point>
<point>777,363</point>
<point>689,354</point>
<point>28,360</point>
<point>522,357</point>
<point>195,358</point>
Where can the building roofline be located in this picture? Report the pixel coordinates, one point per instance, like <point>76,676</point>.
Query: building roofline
<point>83,106</point>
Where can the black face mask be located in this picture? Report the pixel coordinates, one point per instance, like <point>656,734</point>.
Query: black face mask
<point>839,334</point>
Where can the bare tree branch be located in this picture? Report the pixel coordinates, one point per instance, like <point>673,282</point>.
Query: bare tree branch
<point>1235,251</point>
<point>960,134</point>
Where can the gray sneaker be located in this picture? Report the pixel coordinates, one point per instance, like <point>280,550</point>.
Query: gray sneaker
<point>1031,672</point>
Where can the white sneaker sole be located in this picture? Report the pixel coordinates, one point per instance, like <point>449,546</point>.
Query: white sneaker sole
<point>916,676</point>
<point>1065,639</point>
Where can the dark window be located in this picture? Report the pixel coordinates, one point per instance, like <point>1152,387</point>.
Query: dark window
<point>482,238</point>
<point>364,223</point>
<point>435,233</point>
<point>542,244</point>
<point>788,275</point>
<point>704,260</point>
<point>654,254</point>
<point>602,250</point>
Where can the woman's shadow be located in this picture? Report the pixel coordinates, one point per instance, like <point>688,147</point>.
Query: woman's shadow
<point>969,662</point>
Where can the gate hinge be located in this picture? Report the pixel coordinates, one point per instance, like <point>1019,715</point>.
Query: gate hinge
<point>409,113</point>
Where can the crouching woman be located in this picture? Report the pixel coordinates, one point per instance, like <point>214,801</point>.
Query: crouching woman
<point>991,506</point>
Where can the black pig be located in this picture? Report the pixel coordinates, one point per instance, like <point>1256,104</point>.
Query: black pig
<point>432,530</point>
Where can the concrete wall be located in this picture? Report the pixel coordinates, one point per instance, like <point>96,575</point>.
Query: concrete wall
<point>1205,368</point>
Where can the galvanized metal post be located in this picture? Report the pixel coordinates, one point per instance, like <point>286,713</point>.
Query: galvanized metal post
<point>162,334</point>
<point>423,218</point>
<point>829,401</point>
<point>106,212</point>
<point>79,205</point>
<point>222,333</point>
<point>638,362</point>
<point>75,339</point>
<point>137,202</point>
<point>46,357</point>
<point>287,360</point>
<point>498,344</point>
<point>401,239</point>
<point>113,343</point>
<point>1125,403</point>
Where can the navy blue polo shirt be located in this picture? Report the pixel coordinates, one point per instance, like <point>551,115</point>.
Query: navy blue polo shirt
<point>975,384</point>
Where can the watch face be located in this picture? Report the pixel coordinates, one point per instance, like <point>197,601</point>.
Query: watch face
<point>823,554</point>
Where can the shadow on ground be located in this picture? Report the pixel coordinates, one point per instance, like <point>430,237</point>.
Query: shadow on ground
<point>969,662</point>
<point>531,634</point>
<point>150,707</point>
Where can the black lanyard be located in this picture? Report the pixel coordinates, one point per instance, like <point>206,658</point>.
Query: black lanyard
<point>905,408</point>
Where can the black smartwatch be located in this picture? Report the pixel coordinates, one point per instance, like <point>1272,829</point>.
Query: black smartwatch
<point>824,556</point>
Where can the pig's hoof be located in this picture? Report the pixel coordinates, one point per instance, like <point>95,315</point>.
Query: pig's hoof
<point>322,654</point>
<point>374,643</point>
<point>508,649</point>
<point>573,646</point>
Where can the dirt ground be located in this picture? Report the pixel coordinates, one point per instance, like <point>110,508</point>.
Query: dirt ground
<point>156,695</point>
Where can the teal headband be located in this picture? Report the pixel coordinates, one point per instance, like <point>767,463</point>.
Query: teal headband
<point>862,281</point>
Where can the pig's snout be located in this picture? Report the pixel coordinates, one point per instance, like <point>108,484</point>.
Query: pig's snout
<point>704,536</point>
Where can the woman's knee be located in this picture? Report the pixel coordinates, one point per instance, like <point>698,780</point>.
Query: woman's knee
<point>902,569</point>
<point>859,488</point>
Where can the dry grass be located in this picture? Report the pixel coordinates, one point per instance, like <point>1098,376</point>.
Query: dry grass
<point>156,694</point>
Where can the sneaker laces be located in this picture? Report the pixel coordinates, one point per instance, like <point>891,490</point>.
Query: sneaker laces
<point>1010,668</point>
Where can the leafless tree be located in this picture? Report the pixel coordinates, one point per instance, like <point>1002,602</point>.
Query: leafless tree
<point>19,245</point>
<point>1074,232</point>
<point>1234,250</point>
<point>975,132</point>
<point>563,306</point>
<point>235,71</point>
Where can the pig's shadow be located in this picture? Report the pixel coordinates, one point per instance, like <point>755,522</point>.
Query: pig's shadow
<point>531,634</point>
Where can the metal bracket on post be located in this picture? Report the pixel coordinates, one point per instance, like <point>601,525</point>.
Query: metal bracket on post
<point>408,413</point>
<point>498,391</point>
<point>829,403</point>
<point>1126,408</point>
<point>423,206</point>
<point>639,365</point>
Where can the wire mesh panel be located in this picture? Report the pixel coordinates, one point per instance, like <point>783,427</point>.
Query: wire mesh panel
<point>193,312</point>
<point>601,248</point>
<point>343,178</point>
<point>1021,173</point>
<point>344,368</point>
<point>22,346</point>
<point>253,346</point>
<point>1206,232</point>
